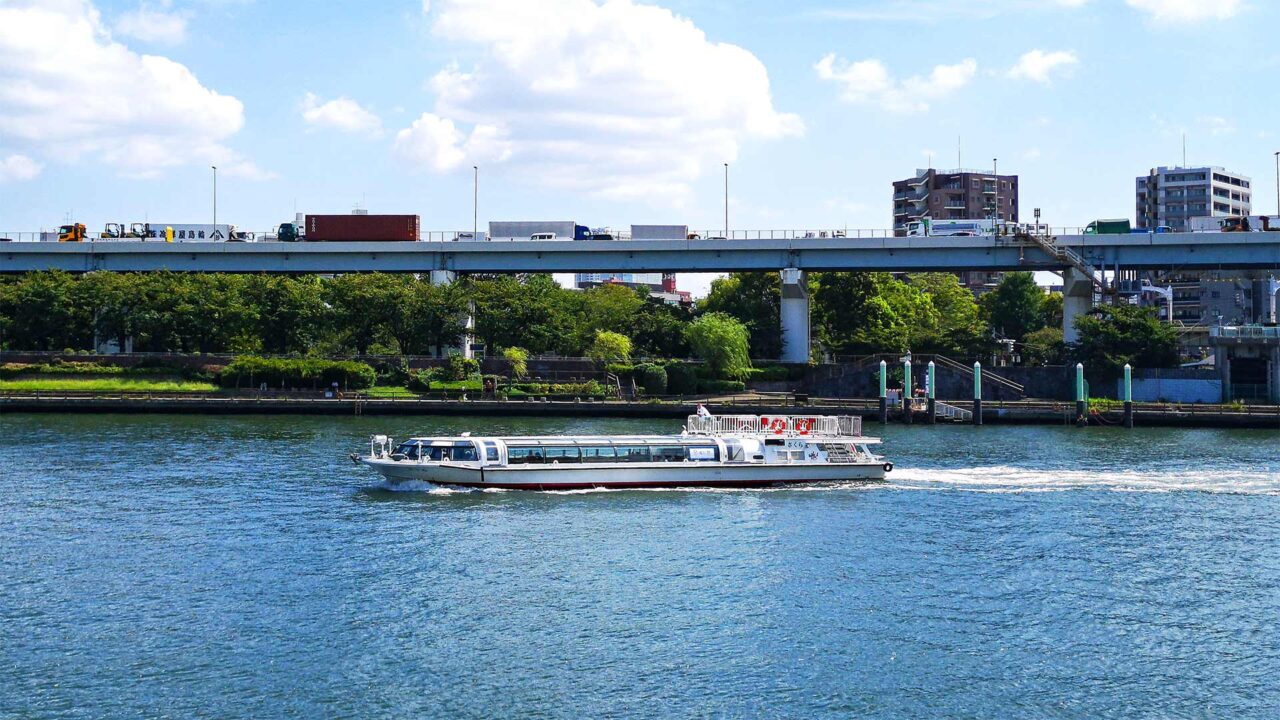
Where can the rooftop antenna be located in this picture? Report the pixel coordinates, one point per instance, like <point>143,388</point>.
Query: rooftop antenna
<point>959,162</point>
<point>1184,149</point>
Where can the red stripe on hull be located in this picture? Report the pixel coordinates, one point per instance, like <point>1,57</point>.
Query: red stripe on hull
<point>732,484</point>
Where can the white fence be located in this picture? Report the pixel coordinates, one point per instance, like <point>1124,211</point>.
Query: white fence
<point>777,425</point>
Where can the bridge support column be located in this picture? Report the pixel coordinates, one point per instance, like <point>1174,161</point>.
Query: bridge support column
<point>1077,300</point>
<point>446,277</point>
<point>795,316</point>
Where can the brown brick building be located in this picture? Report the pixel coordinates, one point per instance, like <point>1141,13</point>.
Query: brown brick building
<point>954,195</point>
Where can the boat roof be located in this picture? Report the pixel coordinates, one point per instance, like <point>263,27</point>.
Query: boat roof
<point>626,439</point>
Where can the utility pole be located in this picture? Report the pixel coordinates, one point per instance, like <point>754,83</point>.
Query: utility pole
<point>1278,183</point>
<point>726,201</point>
<point>215,197</point>
<point>475,203</point>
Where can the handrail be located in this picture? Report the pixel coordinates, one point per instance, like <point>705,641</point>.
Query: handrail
<point>779,425</point>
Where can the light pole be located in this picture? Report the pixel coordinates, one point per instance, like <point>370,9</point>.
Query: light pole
<point>475,203</point>
<point>726,201</point>
<point>1278,183</point>
<point>995,169</point>
<point>215,197</point>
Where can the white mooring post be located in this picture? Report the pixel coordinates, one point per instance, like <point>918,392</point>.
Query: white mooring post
<point>932,380</point>
<point>1128,395</point>
<point>977,393</point>
<point>884,392</point>
<point>906,392</point>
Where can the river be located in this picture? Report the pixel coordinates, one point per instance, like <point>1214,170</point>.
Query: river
<point>176,566</point>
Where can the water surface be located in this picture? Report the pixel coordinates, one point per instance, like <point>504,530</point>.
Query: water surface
<point>218,567</point>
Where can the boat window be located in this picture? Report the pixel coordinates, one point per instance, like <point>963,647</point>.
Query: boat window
<point>599,455</point>
<point>733,451</point>
<point>491,452</point>
<point>464,453</point>
<point>524,455</point>
<point>563,455</point>
<point>409,449</point>
<point>634,453</point>
<point>671,453</point>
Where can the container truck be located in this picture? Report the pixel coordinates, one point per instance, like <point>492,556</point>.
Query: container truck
<point>1109,227</point>
<point>361,228</point>
<point>951,228</point>
<point>527,229</point>
<point>659,232</point>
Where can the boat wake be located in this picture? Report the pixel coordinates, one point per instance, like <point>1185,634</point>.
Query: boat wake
<point>1010,479</point>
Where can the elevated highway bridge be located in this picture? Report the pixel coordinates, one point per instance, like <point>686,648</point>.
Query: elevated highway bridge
<point>1075,256</point>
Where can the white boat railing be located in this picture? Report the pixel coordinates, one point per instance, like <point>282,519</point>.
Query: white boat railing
<point>777,425</point>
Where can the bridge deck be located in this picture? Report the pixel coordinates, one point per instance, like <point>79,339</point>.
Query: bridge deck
<point>1189,251</point>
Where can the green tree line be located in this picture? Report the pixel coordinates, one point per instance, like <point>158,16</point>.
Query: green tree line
<point>851,313</point>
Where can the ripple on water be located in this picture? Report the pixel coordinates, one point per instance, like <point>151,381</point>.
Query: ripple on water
<point>243,567</point>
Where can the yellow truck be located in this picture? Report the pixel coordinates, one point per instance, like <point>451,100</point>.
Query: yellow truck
<point>72,233</point>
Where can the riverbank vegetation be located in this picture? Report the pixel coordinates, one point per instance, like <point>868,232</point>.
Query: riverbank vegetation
<point>733,329</point>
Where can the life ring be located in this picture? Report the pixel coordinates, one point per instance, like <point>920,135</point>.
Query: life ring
<point>888,467</point>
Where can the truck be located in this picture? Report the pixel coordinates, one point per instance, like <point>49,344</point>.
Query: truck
<point>74,232</point>
<point>189,232</point>
<point>951,228</point>
<point>659,232</point>
<point>361,228</point>
<point>1235,223</point>
<point>1109,227</point>
<point>527,229</point>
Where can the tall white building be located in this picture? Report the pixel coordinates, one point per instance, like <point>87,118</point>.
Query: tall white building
<point>1172,196</point>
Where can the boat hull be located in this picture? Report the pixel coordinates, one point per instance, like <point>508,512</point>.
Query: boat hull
<point>649,475</point>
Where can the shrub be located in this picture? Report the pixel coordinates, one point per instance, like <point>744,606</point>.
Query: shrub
<point>653,378</point>
<point>250,371</point>
<point>10,370</point>
<point>461,368</point>
<point>778,373</point>
<point>620,369</point>
<point>721,386</point>
<point>419,381</point>
<point>681,379</point>
<point>518,358</point>
<point>610,347</point>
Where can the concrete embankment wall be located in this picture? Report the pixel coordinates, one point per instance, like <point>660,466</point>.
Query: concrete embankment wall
<point>1040,413</point>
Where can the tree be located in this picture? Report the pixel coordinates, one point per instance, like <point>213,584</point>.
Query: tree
<point>435,318</point>
<point>659,330</point>
<point>1016,306</point>
<point>857,313</point>
<point>610,347</point>
<point>960,328</point>
<point>1111,336</point>
<point>518,359</point>
<point>722,342</point>
<point>1044,347</point>
<point>755,300</point>
<point>289,313</point>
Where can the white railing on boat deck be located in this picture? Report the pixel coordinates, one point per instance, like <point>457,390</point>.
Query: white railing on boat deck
<point>779,425</point>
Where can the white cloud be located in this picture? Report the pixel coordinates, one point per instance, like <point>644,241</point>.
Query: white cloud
<point>1188,11</point>
<point>67,90</point>
<point>18,167</point>
<point>154,26</point>
<point>869,82</point>
<point>1039,66</point>
<point>620,100</point>
<point>932,11</point>
<point>342,114</point>
<point>1217,125</point>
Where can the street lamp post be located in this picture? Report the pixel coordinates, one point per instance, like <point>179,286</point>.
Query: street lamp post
<point>475,203</point>
<point>215,197</point>
<point>726,201</point>
<point>1278,183</point>
<point>995,169</point>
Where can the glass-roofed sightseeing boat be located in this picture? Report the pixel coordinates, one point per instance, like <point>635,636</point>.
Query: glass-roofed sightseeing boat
<point>713,451</point>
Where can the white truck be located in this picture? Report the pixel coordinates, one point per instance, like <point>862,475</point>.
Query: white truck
<point>189,232</point>
<point>951,228</point>
<point>1235,223</point>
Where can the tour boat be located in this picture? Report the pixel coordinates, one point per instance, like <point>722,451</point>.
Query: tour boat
<point>733,451</point>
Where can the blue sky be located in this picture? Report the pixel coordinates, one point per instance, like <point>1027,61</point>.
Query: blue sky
<point>615,114</point>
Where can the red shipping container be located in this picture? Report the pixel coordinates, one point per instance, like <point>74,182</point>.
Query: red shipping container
<point>361,228</point>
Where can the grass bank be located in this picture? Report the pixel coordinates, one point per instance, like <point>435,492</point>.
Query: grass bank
<point>106,385</point>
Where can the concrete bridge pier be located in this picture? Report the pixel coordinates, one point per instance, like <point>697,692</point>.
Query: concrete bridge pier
<point>795,316</point>
<point>446,277</point>
<point>1077,300</point>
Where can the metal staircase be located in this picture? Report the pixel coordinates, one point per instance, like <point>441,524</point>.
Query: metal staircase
<point>1064,255</point>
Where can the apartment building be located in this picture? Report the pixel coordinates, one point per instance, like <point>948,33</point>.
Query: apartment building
<point>1172,196</point>
<point>959,194</point>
